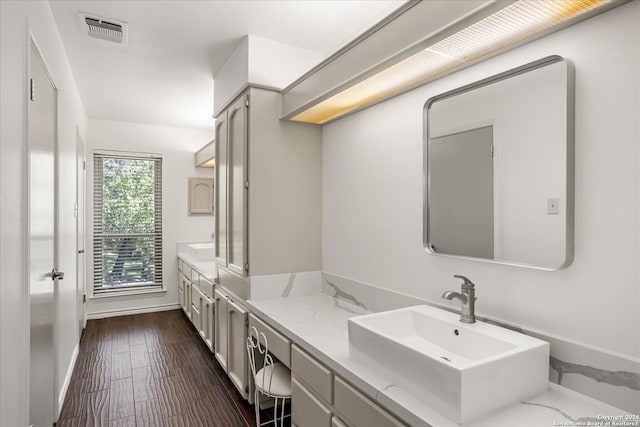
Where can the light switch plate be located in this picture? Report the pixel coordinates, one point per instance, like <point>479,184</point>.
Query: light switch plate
<point>553,206</point>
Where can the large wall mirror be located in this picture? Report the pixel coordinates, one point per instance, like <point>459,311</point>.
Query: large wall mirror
<point>498,161</point>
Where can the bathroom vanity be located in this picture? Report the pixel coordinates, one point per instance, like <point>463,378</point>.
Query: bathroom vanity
<point>309,334</point>
<point>306,318</point>
<point>217,314</point>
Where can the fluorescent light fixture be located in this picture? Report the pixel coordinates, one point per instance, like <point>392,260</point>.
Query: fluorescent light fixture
<point>512,24</point>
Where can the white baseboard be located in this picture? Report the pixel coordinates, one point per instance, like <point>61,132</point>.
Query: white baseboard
<point>67,380</point>
<point>128,311</point>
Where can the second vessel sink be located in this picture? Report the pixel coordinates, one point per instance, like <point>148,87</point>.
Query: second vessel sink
<point>464,371</point>
<point>202,251</point>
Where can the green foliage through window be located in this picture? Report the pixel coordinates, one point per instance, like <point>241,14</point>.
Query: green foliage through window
<point>127,222</point>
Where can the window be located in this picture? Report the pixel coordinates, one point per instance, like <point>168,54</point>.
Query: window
<point>127,223</point>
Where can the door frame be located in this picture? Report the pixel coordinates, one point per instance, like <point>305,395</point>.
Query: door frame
<point>31,43</point>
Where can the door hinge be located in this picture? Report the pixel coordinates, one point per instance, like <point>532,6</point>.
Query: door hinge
<point>246,267</point>
<point>246,184</point>
<point>246,102</point>
<point>84,165</point>
<point>492,150</point>
<point>84,297</point>
<point>75,210</point>
<point>246,322</point>
<point>32,90</point>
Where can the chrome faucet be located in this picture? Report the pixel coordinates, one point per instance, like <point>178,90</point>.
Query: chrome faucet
<point>467,298</point>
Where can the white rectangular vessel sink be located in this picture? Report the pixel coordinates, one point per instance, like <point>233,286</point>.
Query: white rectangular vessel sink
<point>202,251</point>
<point>462,370</point>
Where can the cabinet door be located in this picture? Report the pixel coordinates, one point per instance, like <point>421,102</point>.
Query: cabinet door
<point>220,308</point>
<point>181,289</point>
<point>181,284</point>
<point>185,302</point>
<point>196,308</point>
<point>238,183</point>
<point>200,196</point>
<point>207,322</point>
<point>237,347</point>
<point>220,190</point>
<point>181,297</point>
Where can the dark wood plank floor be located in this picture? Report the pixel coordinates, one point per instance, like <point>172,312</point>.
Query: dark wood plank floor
<point>150,370</point>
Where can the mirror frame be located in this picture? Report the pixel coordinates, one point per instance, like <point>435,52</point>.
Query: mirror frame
<point>570,158</point>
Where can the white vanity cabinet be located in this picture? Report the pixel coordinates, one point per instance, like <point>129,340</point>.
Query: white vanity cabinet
<point>195,296</point>
<point>237,362</point>
<point>337,422</point>
<point>357,410</point>
<point>320,398</point>
<point>220,337</point>
<point>311,391</point>
<point>279,345</point>
<point>196,308</point>
<point>208,317</point>
<point>269,189</point>
<point>181,289</point>
<point>231,320</point>
<point>306,409</point>
<point>184,291</point>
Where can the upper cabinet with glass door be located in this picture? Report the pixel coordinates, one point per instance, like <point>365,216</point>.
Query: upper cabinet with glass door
<point>268,193</point>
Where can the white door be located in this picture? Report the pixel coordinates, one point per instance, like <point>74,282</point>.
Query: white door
<point>461,214</point>
<point>80,244</point>
<point>43,276</point>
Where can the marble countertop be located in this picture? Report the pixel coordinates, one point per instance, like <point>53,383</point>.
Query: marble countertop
<point>318,324</point>
<point>205,268</point>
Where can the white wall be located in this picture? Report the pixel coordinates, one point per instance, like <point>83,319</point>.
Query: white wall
<point>231,76</point>
<point>178,146</point>
<point>372,196</point>
<point>16,18</point>
<point>262,62</point>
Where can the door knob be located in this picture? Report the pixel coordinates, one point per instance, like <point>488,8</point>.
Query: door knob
<point>55,274</point>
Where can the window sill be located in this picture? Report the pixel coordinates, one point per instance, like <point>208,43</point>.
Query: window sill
<point>123,295</point>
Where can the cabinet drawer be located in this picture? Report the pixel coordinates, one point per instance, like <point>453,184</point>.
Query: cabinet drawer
<point>358,410</point>
<point>314,374</point>
<point>306,409</point>
<point>194,276</point>
<point>180,265</point>
<point>206,287</point>
<point>181,280</point>
<point>337,422</point>
<point>186,270</point>
<point>279,345</point>
<point>196,298</point>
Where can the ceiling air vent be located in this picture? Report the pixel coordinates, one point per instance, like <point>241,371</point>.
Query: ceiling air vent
<point>105,29</point>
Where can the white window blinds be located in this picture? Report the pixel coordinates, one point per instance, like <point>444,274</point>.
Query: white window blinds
<point>127,223</point>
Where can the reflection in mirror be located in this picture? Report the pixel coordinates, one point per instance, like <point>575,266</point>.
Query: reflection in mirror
<point>499,168</point>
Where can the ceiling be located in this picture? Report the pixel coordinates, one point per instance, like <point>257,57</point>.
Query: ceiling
<point>164,74</point>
